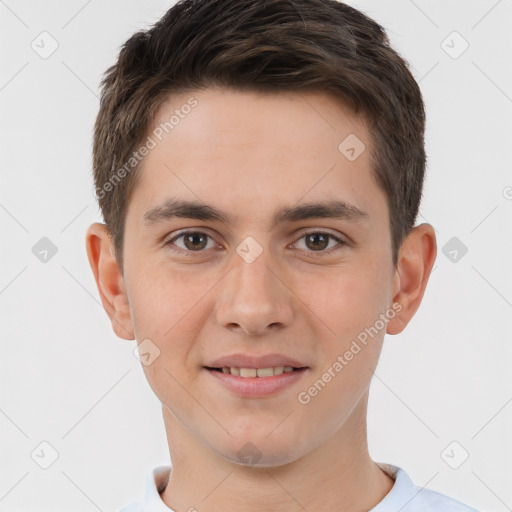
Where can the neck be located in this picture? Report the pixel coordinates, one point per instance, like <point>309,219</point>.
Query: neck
<point>337,475</point>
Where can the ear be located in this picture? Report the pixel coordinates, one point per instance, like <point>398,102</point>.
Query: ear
<point>109,279</point>
<point>415,261</point>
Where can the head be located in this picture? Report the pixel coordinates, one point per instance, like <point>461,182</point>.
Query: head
<point>298,132</point>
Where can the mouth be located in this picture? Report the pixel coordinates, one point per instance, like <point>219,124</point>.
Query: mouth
<point>255,383</point>
<point>260,373</point>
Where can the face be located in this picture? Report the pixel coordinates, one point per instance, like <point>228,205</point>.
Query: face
<point>254,276</point>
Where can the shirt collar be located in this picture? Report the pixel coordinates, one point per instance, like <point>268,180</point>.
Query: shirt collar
<point>155,484</point>
<point>402,492</point>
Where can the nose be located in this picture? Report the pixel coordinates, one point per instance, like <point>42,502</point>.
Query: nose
<point>255,299</point>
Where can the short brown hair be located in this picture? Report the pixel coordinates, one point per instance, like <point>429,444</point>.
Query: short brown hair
<point>271,46</point>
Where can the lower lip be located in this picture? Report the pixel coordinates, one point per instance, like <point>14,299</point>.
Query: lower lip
<point>257,387</point>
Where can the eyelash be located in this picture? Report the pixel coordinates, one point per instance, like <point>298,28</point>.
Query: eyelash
<point>191,253</point>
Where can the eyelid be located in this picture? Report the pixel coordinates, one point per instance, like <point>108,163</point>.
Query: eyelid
<point>341,241</point>
<point>171,239</point>
<point>323,231</point>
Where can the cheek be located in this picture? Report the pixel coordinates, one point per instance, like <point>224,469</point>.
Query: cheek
<point>348,299</point>
<point>166,309</point>
<point>166,303</point>
<point>351,305</point>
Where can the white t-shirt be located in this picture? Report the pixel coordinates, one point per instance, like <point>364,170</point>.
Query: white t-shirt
<point>404,495</point>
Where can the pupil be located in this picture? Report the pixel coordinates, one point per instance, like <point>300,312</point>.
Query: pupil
<point>193,237</point>
<point>316,236</point>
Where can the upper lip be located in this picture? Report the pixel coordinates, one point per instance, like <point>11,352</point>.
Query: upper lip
<point>248,361</point>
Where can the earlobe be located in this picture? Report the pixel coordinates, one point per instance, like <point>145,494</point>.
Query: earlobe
<point>415,262</point>
<point>109,280</point>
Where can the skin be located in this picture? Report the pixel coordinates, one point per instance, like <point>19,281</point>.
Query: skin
<point>248,154</point>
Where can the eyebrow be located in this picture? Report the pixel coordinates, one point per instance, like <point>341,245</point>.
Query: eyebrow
<point>178,208</point>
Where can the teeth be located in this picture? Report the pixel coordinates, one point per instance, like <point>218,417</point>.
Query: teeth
<point>258,372</point>
<point>265,372</point>
<point>248,372</point>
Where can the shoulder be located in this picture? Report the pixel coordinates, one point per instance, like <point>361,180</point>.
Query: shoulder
<point>427,500</point>
<point>407,497</point>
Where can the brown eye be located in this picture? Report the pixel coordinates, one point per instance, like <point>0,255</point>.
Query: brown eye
<point>193,241</point>
<point>318,241</point>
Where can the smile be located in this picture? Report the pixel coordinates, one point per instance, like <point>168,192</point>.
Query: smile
<point>255,372</point>
<point>256,382</point>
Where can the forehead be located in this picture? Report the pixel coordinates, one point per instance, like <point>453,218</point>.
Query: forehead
<point>230,146</point>
<point>221,115</point>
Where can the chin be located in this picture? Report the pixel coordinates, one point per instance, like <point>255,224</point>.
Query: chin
<point>259,451</point>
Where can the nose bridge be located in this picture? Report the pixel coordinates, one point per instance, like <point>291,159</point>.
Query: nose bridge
<point>253,298</point>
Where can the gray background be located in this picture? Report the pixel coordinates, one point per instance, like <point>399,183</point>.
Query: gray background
<point>67,380</point>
